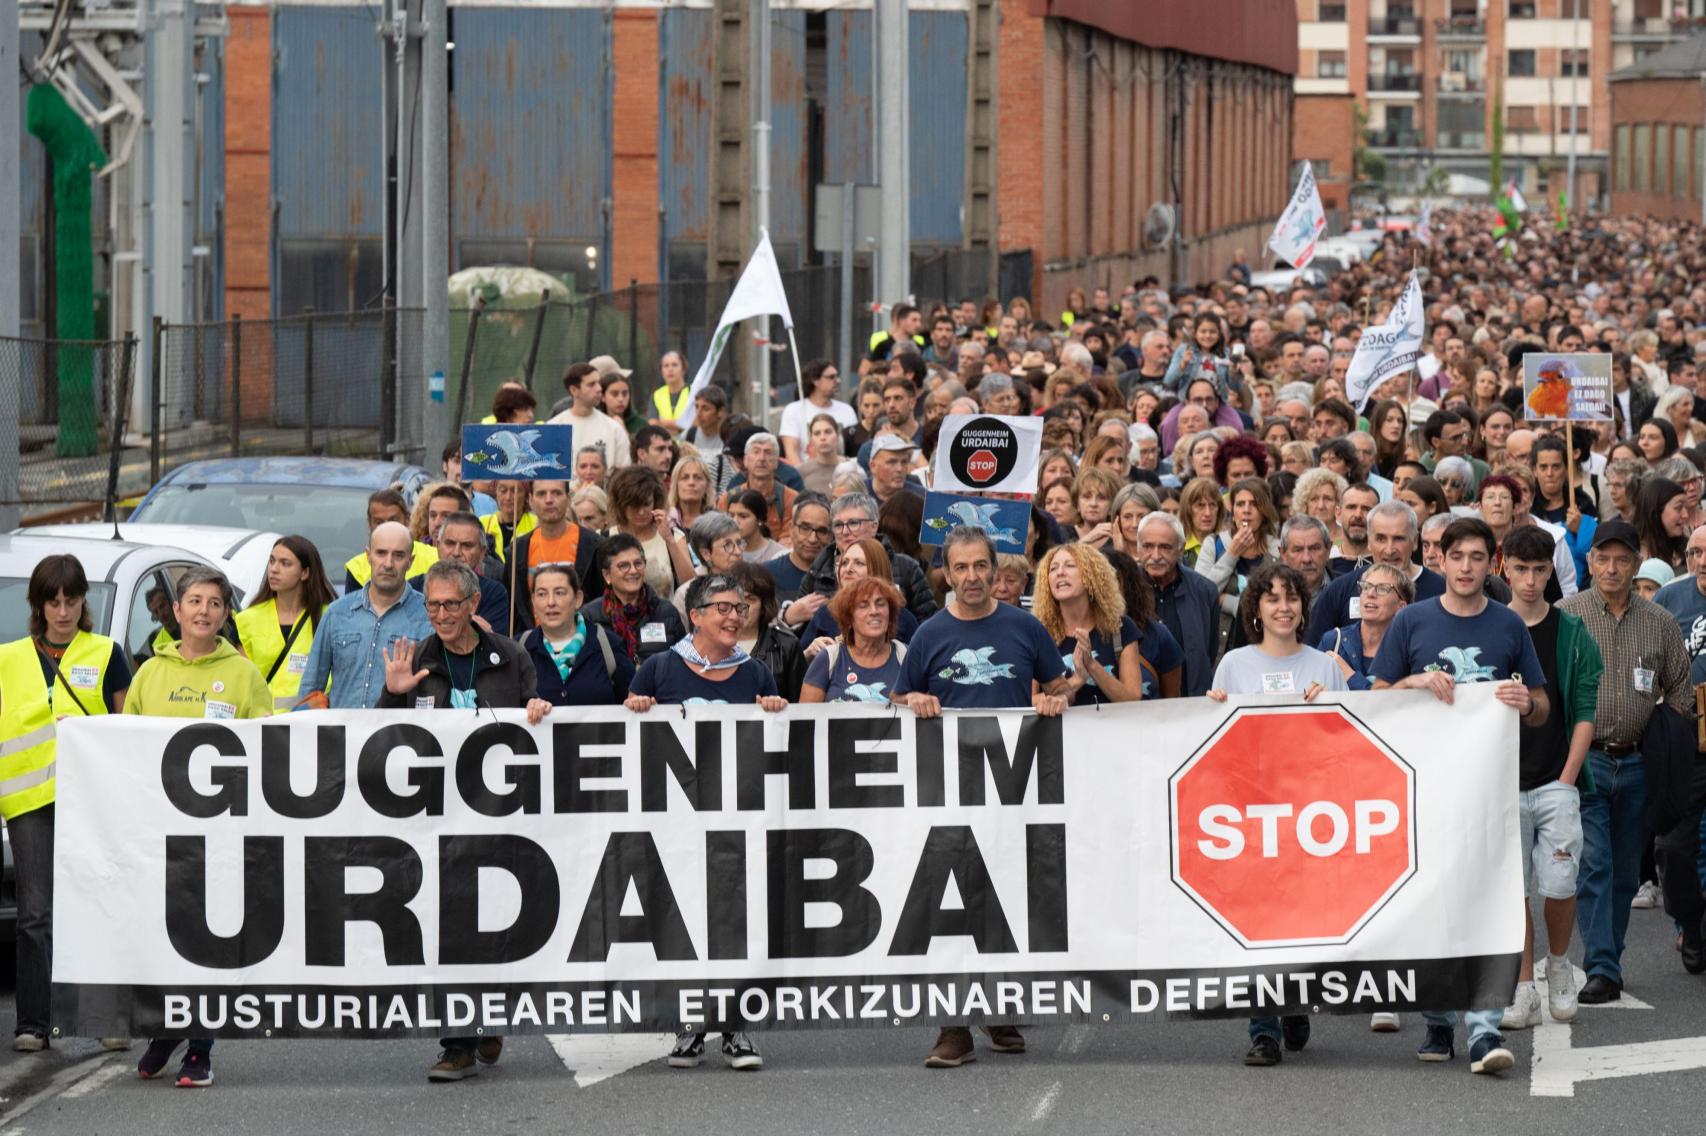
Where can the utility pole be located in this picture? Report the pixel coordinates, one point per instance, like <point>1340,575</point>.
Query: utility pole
<point>893,143</point>
<point>9,221</point>
<point>423,224</point>
<point>167,180</point>
<point>759,357</point>
<point>1575,55</point>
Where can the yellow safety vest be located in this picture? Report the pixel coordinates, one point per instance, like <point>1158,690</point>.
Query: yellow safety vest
<point>489,522</point>
<point>27,731</point>
<point>425,557</point>
<point>671,409</point>
<point>263,642</point>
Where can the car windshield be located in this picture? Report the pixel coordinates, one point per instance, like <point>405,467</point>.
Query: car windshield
<point>15,607</point>
<point>334,518</point>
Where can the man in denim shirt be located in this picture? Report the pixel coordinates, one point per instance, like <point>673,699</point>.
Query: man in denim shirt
<point>349,645</point>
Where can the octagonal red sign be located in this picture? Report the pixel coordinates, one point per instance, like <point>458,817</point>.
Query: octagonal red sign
<point>1292,825</point>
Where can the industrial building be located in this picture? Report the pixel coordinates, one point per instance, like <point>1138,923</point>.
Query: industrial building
<point>1658,140</point>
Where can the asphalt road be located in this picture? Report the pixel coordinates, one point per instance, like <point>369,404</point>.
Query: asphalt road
<point>1629,1069</point>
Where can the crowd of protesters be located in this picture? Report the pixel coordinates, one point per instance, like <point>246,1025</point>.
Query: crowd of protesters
<point>1213,517</point>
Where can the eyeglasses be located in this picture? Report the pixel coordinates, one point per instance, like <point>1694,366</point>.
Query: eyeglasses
<point>819,531</point>
<point>724,607</point>
<point>849,526</point>
<point>436,606</point>
<point>1372,589</point>
<point>629,567</point>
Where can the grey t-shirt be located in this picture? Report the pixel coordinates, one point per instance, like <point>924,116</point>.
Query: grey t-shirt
<point>1248,671</point>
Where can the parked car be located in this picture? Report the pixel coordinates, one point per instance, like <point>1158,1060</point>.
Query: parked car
<point>1280,279</point>
<point>240,553</point>
<point>323,499</point>
<point>131,589</point>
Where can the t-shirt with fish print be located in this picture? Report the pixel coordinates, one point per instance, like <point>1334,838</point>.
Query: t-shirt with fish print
<point>848,681</point>
<point>1491,646</point>
<point>983,663</point>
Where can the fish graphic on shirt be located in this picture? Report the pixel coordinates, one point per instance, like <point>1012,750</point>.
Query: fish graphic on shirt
<point>1464,665</point>
<point>971,667</point>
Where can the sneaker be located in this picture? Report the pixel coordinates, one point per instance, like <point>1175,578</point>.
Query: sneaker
<point>489,1050</point>
<point>1439,1046</point>
<point>197,1070</point>
<point>1524,1010</point>
<point>29,1043</point>
<point>1384,1022</point>
<point>454,1065</point>
<point>154,1058</point>
<point>1263,1051</point>
<point>1295,1029</point>
<point>1646,896</point>
<point>740,1053</point>
<point>1561,992</point>
<point>114,1044</point>
<point>1005,1039</point>
<point>688,1052</point>
<point>1489,1055</point>
<point>953,1048</point>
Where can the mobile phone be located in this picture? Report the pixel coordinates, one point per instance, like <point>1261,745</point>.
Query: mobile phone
<point>1237,349</point>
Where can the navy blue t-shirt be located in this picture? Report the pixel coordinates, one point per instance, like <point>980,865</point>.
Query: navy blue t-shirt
<point>1156,644</point>
<point>1105,651</point>
<point>850,682</point>
<point>1490,647</point>
<point>788,577</point>
<point>981,663</point>
<point>1687,606</point>
<point>667,678</point>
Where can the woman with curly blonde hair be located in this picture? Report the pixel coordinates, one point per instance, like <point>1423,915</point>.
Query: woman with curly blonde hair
<point>1079,601</point>
<point>1317,495</point>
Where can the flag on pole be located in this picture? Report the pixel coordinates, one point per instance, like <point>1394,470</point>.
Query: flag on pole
<point>1425,227</point>
<point>1387,350</point>
<point>1517,200</point>
<point>1300,226</point>
<point>758,292</point>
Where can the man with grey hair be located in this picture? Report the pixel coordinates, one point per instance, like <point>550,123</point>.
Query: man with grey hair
<point>1077,356</point>
<point>853,517</point>
<point>996,395</point>
<point>1185,600</point>
<point>1391,541</point>
<point>1304,545</point>
<point>460,667</point>
<point>1156,354</point>
<point>759,461</point>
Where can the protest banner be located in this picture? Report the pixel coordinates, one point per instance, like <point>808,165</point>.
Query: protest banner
<point>988,453</point>
<point>512,452</point>
<point>381,874</point>
<point>1301,225</point>
<point>1390,349</point>
<point>1007,522</point>
<point>1572,387</point>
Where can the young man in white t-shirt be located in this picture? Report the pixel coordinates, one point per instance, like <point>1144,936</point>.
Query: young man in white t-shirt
<point>592,426</point>
<point>819,381</point>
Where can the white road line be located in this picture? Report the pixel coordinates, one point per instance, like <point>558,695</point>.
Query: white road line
<point>1558,1068</point>
<point>59,1083</point>
<point>111,1071</point>
<point>1045,1103</point>
<point>595,1057</point>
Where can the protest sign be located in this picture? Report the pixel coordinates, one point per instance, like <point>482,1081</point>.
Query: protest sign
<point>512,452</point>
<point>988,453</point>
<point>1566,387</point>
<point>1008,523</point>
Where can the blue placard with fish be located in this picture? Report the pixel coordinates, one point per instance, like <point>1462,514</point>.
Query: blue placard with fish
<point>534,452</point>
<point>1008,523</point>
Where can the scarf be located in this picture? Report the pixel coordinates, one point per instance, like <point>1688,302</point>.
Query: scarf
<point>688,651</point>
<point>625,621</point>
<point>565,659</point>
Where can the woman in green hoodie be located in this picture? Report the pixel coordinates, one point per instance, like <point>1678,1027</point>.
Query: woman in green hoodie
<point>200,676</point>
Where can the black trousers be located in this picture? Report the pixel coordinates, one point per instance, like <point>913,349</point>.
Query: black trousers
<point>1677,853</point>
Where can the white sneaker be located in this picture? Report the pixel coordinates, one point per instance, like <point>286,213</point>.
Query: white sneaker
<point>1561,992</point>
<point>1524,1011</point>
<point>1646,896</point>
<point>1383,1022</point>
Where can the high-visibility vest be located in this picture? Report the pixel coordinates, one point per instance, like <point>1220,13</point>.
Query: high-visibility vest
<point>489,522</point>
<point>27,732</point>
<point>263,642</point>
<point>671,408</point>
<point>425,557</point>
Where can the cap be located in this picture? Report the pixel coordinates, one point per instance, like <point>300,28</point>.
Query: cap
<point>606,366</point>
<point>1657,571</point>
<point>1618,532</point>
<point>891,444</point>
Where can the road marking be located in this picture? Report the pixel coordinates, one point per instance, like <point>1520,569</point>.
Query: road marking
<point>59,1083</point>
<point>1627,1002</point>
<point>1559,1067</point>
<point>107,1072</point>
<point>1045,1104</point>
<point>595,1057</point>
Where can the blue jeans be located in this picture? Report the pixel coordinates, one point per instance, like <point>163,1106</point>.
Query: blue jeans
<point>32,856</point>
<point>1268,1027</point>
<point>1614,837</point>
<point>1480,1023</point>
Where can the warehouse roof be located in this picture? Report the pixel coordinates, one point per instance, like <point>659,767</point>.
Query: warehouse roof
<point>1685,60</point>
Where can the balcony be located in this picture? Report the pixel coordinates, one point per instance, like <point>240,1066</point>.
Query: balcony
<point>1461,27</point>
<point>1454,83</point>
<point>1651,29</point>
<point>1408,83</point>
<point>1475,140</point>
<point>1394,29</point>
<point>1395,138</point>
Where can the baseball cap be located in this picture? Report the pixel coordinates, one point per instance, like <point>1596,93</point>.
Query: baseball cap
<point>1618,532</point>
<point>606,366</point>
<point>1657,571</point>
<point>891,443</point>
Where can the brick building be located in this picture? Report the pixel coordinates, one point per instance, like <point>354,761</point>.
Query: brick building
<point>1658,106</point>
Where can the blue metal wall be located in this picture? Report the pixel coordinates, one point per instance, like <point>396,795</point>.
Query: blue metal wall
<point>789,183</point>
<point>685,138</point>
<point>531,132</point>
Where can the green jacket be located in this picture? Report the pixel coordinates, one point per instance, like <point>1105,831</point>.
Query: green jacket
<point>1579,669</point>
<point>221,684</point>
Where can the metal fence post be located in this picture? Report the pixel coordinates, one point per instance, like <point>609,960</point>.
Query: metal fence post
<point>633,324</point>
<point>308,380</point>
<point>462,394</point>
<point>538,334</point>
<point>121,414</point>
<point>237,385</point>
<point>591,320</point>
<point>156,445</point>
<point>388,378</point>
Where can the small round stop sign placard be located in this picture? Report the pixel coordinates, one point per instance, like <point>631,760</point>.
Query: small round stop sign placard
<point>1292,825</point>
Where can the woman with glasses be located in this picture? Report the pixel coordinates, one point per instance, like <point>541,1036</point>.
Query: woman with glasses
<point>709,668</point>
<point>716,544</point>
<point>1384,592</point>
<point>643,622</point>
<point>1455,475</point>
<point>578,662</point>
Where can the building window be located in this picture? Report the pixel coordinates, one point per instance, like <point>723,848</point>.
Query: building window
<point>1694,183</point>
<point>1522,9</point>
<point>1643,155</point>
<point>1573,63</point>
<point>1521,64</point>
<point>1661,158</point>
<point>1679,168</point>
<point>1522,119</point>
<point>1330,12</point>
<point>1620,158</point>
<point>1649,9</point>
<point>1330,65</point>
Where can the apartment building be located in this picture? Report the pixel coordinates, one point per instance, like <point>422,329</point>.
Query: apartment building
<point>1426,76</point>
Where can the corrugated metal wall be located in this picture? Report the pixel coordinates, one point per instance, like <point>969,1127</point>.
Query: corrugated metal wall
<point>32,209</point>
<point>684,143</point>
<point>790,186</point>
<point>531,135</point>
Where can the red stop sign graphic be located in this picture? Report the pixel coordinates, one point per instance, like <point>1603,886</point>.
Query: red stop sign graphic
<point>1292,825</point>
<point>980,466</point>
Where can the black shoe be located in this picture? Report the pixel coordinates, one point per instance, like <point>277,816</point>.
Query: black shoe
<point>1599,990</point>
<point>1263,1051</point>
<point>1693,952</point>
<point>1295,1029</point>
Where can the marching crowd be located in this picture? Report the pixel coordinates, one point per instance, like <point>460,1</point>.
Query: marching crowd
<point>1213,518</point>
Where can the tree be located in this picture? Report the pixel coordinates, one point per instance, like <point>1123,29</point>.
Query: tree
<point>1368,166</point>
<point>1437,183</point>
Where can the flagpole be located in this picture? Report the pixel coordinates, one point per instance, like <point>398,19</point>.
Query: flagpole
<point>794,350</point>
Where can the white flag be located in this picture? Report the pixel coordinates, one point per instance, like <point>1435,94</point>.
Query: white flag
<point>1299,227</point>
<point>1387,350</point>
<point>758,292</point>
<point>1518,201</point>
<point>1425,226</point>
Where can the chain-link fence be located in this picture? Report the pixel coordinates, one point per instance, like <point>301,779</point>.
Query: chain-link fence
<point>318,383</point>
<point>73,402</point>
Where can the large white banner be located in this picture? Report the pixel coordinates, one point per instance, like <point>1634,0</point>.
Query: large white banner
<point>396,874</point>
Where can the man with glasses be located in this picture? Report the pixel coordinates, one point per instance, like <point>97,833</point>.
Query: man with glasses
<point>461,538</point>
<point>811,536</point>
<point>460,667</point>
<point>855,518</point>
<point>1447,434</point>
<point>820,381</point>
